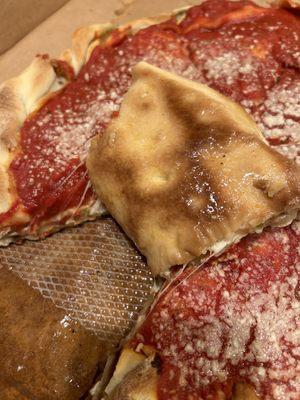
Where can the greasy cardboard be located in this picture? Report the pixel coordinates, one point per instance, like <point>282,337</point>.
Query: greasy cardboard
<point>20,17</point>
<point>44,353</point>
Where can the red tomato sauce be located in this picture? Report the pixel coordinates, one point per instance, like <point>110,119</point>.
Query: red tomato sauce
<point>233,320</point>
<point>244,51</point>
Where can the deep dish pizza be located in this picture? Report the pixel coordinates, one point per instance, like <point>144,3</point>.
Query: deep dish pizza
<point>186,172</point>
<point>49,113</point>
<point>227,330</point>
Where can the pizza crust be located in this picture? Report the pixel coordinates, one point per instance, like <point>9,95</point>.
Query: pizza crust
<point>82,44</point>
<point>186,172</point>
<point>19,97</point>
<point>136,378</point>
<point>286,3</point>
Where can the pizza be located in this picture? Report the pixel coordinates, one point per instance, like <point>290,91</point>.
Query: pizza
<point>48,116</point>
<point>226,330</point>
<point>186,172</point>
<point>51,111</point>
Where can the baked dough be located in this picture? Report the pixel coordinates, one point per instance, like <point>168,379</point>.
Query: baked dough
<point>138,380</point>
<point>26,94</point>
<point>186,172</point>
<point>135,377</point>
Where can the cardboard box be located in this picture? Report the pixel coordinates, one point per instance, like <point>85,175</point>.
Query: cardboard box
<point>20,17</point>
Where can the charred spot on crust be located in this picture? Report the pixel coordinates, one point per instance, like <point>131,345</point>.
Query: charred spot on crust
<point>157,363</point>
<point>63,69</point>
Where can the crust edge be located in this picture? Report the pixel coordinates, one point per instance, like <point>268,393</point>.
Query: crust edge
<point>136,378</point>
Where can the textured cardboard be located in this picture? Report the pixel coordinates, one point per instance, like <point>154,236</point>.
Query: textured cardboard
<point>20,17</point>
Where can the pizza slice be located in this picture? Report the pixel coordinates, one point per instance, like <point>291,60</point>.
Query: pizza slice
<point>226,330</point>
<point>186,172</point>
<point>51,111</point>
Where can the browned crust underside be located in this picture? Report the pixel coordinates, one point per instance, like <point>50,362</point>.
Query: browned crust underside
<point>44,353</point>
<point>151,186</point>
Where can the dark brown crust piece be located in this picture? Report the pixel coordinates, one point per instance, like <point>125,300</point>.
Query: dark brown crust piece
<point>45,355</point>
<point>169,170</point>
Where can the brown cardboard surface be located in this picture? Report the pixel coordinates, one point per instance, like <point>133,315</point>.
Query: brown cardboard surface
<point>44,353</point>
<point>20,17</point>
<point>54,34</point>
